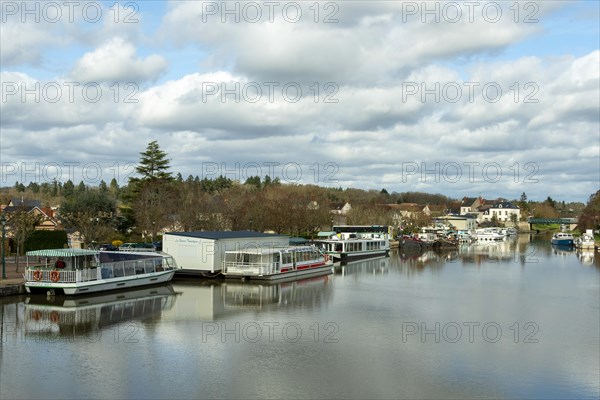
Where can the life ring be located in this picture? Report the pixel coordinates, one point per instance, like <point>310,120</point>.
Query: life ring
<point>55,276</point>
<point>59,264</point>
<point>54,317</point>
<point>37,275</point>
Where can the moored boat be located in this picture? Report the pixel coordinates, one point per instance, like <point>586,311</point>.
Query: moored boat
<point>585,241</point>
<point>274,263</point>
<point>562,239</point>
<point>488,235</point>
<point>80,271</point>
<point>347,242</point>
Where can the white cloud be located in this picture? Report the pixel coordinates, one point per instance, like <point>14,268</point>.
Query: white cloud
<point>116,60</point>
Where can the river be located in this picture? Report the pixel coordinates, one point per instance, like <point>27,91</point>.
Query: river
<point>515,320</point>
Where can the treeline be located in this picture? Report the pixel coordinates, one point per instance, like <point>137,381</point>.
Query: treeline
<point>157,200</point>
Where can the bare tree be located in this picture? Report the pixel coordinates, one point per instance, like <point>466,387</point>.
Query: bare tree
<point>22,224</point>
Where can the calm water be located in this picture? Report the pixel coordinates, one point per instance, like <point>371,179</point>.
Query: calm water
<point>518,320</point>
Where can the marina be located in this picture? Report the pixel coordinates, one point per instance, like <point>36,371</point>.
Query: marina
<point>424,323</point>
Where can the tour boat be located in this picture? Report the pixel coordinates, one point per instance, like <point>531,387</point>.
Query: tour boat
<point>562,239</point>
<point>274,263</point>
<point>355,242</point>
<point>585,241</point>
<point>81,271</point>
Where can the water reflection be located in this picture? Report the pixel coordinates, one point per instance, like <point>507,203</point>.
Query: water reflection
<point>375,266</point>
<point>75,316</point>
<point>585,256</point>
<point>523,249</point>
<point>207,301</point>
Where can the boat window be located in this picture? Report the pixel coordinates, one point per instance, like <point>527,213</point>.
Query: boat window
<point>149,267</point>
<point>107,271</point>
<point>118,271</point>
<point>133,269</point>
<point>287,258</point>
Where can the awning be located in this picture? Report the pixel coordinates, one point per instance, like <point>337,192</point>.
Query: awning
<point>61,252</point>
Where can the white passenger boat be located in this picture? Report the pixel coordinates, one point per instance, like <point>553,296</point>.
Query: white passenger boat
<point>488,235</point>
<point>585,241</point>
<point>348,242</point>
<point>79,271</point>
<point>274,263</point>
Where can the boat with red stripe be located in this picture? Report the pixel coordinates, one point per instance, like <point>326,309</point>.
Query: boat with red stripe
<point>272,263</point>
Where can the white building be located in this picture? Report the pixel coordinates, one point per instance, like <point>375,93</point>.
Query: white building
<point>460,222</point>
<point>197,252</point>
<point>502,211</point>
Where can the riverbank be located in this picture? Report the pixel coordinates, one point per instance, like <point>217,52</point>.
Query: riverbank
<point>13,284</point>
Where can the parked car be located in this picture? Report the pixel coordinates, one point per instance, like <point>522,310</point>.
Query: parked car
<point>108,247</point>
<point>137,247</point>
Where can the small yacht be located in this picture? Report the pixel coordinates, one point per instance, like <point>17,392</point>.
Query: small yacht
<point>562,239</point>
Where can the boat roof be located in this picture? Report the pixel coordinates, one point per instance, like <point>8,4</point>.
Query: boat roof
<point>216,235</point>
<point>270,249</point>
<point>62,252</point>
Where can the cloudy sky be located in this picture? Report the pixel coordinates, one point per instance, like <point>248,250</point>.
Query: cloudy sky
<point>460,98</point>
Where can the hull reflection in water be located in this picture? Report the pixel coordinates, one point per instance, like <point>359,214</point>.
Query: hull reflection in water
<point>75,316</point>
<point>373,266</point>
<point>304,293</point>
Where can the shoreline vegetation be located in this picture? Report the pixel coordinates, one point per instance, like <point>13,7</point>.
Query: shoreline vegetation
<point>156,200</point>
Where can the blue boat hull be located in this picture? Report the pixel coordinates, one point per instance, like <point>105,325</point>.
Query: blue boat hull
<point>562,242</point>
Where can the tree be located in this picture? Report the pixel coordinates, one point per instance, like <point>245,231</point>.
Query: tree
<point>22,224</point>
<point>102,187</point>
<point>590,216</point>
<point>113,188</point>
<point>154,207</point>
<point>151,195</point>
<point>91,212</point>
<point>153,165</point>
<point>68,188</point>
<point>543,210</point>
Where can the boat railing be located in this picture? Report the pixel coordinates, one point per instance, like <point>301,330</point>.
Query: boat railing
<point>117,269</point>
<point>256,268</point>
<point>47,274</point>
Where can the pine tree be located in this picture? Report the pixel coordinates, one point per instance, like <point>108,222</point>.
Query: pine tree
<point>154,165</point>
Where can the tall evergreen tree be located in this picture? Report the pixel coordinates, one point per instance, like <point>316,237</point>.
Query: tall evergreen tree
<point>154,164</point>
